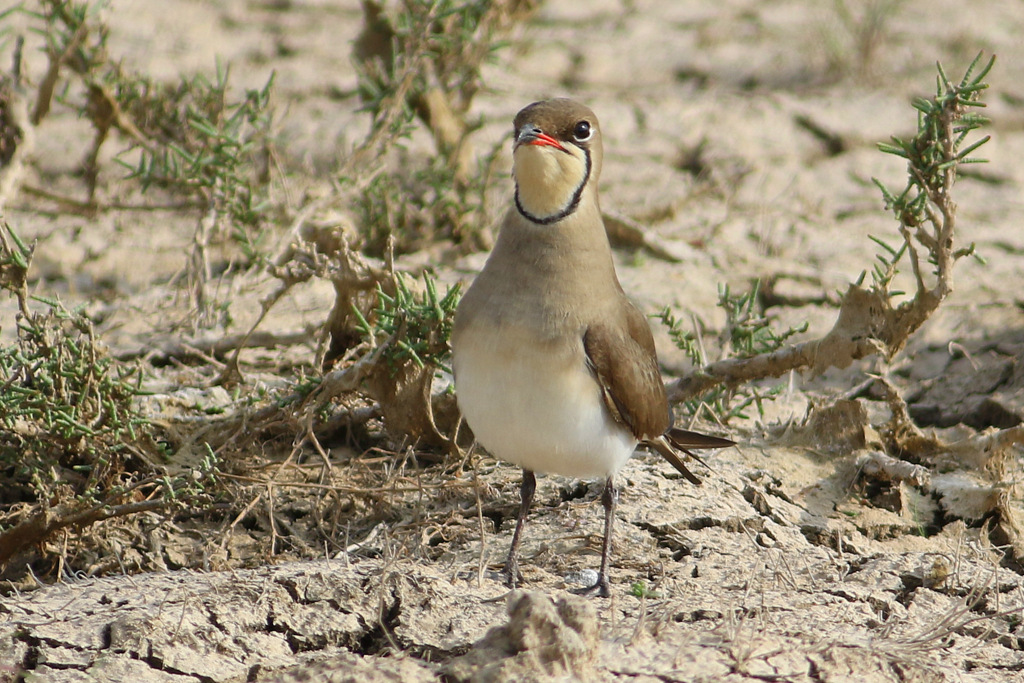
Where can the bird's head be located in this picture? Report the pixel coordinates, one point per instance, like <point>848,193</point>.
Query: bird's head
<point>556,158</point>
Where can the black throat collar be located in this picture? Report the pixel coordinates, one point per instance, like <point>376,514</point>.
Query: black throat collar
<point>569,209</point>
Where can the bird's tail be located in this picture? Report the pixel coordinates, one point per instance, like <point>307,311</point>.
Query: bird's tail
<point>675,440</point>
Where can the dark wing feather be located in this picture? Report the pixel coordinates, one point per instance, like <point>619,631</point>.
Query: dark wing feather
<point>661,445</point>
<point>684,439</point>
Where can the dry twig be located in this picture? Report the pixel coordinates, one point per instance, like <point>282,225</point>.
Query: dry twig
<point>868,322</point>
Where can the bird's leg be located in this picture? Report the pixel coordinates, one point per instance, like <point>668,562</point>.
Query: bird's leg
<point>526,491</point>
<point>609,498</point>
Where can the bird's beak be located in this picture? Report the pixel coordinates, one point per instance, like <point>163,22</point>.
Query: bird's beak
<point>532,135</point>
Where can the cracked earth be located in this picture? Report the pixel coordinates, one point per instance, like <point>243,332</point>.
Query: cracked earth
<point>788,564</point>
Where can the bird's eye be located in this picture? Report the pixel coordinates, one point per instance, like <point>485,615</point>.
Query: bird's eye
<point>582,131</point>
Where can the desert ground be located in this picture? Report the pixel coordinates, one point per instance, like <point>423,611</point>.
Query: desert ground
<point>741,137</point>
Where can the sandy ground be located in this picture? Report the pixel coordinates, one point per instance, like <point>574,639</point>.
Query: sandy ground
<point>784,565</point>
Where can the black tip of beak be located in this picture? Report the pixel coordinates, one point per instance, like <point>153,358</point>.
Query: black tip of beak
<point>527,134</point>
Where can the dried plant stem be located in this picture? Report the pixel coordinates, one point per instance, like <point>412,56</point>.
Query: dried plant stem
<point>199,264</point>
<point>48,85</point>
<point>16,130</point>
<point>47,521</point>
<point>732,372</point>
<point>868,322</point>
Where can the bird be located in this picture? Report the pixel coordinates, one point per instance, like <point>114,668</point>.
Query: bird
<point>555,369</point>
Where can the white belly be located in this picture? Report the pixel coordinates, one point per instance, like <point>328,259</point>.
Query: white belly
<point>537,406</point>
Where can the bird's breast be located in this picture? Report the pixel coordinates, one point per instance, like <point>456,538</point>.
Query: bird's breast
<point>531,400</point>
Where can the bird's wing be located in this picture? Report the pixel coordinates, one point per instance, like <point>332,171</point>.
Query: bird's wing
<point>624,362</point>
<point>622,359</point>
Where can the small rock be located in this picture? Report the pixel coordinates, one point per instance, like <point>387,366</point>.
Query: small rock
<point>584,577</point>
<point>545,638</point>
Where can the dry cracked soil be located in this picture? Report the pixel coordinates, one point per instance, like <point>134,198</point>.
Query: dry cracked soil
<point>742,135</point>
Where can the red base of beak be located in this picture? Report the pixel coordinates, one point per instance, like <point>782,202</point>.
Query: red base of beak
<point>543,140</point>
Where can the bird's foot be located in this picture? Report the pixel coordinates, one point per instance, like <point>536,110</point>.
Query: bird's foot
<point>513,579</point>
